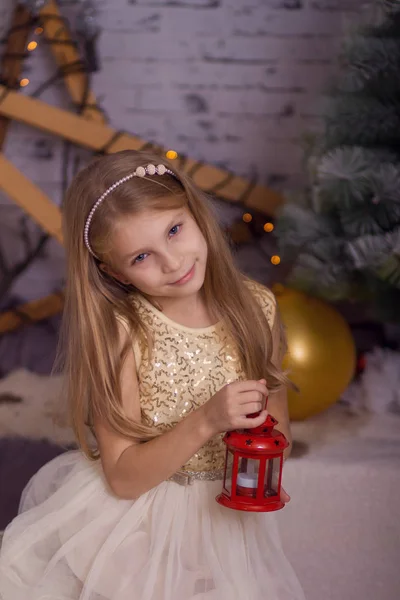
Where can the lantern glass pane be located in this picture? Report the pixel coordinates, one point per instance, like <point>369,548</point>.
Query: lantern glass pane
<point>228,472</point>
<point>247,479</point>
<point>272,477</point>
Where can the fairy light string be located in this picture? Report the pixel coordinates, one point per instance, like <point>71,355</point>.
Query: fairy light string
<point>37,25</point>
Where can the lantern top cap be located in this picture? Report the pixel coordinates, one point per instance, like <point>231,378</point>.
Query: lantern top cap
<point>248,442</point>
<point>266,428</point>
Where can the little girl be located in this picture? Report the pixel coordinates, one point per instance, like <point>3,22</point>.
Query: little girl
<point>165,347</point>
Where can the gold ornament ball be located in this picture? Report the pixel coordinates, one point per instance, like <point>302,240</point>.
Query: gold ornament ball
<point>321,352</point>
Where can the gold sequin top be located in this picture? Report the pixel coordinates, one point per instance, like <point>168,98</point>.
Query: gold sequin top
<point>187,367</point>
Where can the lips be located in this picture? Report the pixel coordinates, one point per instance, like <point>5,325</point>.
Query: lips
<point>185,278</point>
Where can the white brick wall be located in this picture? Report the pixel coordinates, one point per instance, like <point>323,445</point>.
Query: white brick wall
<point>233,82</point>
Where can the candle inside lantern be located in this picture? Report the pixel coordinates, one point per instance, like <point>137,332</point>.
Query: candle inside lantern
<point>247,484</point>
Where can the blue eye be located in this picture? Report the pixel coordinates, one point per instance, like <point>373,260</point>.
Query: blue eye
<point>139,258</point>
<point>175,229</point>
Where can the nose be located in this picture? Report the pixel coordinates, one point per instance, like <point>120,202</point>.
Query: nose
<point>171,263</point>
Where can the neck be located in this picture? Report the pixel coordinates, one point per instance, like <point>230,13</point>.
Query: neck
<point>184,306</point>
<point>190,310</point>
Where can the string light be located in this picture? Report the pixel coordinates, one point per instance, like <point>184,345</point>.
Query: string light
<point>24,82</point>
<point>268,227</point>
<point>247,218</point>
<point>171,154</point>
<point>275,259</point>
<point>39,30</point>
<point>32,46</point>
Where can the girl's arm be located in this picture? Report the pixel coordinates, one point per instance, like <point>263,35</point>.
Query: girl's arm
<point>132,469</point>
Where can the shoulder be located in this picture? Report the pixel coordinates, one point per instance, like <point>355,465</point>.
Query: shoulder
<point>264,297</point>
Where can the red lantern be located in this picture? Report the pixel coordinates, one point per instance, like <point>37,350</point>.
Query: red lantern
<point>253,468</point>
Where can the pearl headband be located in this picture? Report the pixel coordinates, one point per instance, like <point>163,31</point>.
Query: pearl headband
<point>140,172</point>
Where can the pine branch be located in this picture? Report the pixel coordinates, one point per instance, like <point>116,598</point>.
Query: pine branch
<point>371,251</point>
<point>326,280</point>
<point>369,59</point>
<point>364,191</point>
<point>297,224</point>
<point>345,238</point>
<point>362,121</point>
<point>389,271</point>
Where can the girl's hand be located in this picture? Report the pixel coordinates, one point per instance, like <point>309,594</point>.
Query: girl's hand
<point>230,407</point>
<point>284,496</point>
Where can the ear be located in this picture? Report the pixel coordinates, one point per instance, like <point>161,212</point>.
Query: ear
<point>109,271</point>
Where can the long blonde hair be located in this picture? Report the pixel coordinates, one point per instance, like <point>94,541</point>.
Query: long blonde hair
<point>89,352</point>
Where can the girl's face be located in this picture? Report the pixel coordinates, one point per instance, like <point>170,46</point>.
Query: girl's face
<point>161,253</point>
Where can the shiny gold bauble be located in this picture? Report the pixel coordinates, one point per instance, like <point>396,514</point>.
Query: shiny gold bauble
<point>321,352</point>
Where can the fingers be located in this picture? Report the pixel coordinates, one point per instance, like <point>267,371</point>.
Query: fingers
<point>251,408</point>
<point>284,496</point>
<point>247,423</point>
<point>251,397</point>
<point>251,386</point>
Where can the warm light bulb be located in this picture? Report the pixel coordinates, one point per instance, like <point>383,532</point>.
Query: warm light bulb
<point>268,227</point>
<point>24,82</point>
<point>275,259</point>
<point>32,46</point>
<point>247,218</point>
<point>171,154</point>
<point>39,30</point>
<point>298,352</point>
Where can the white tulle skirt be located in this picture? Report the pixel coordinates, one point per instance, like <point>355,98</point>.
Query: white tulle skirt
<point>74,540</point>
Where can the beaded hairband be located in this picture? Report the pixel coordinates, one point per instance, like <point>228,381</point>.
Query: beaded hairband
<point>140,172</point>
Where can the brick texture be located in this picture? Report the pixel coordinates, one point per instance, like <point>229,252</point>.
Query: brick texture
<point>237,83</point>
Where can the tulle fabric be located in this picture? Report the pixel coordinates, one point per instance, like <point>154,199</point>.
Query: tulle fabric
<point>74,540</point>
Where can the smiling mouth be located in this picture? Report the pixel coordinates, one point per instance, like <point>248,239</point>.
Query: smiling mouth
<point>185,278</point>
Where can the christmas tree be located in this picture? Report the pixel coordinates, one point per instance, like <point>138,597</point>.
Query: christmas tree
<point>343,236</point>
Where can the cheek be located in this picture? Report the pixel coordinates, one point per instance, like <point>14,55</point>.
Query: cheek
<point>144,278</point>
<point>203,247</point>
<point>141,278</point>
<point>197,239</point>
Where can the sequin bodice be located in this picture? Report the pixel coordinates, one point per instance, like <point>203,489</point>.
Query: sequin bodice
<point>186,368</point>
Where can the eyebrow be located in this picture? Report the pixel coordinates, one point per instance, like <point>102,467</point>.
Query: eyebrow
<point>142,250</point>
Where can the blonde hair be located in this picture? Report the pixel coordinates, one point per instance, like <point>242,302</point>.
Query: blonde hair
<point>90,352</point>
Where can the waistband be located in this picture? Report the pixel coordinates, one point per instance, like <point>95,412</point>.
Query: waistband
<point>189,477</point>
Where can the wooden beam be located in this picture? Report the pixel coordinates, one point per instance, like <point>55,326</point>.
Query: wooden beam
<point>103,138</point>
<point>30,198</point>
<point>31,312</point>
<point>67,56</point>
<point>13,56</point>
